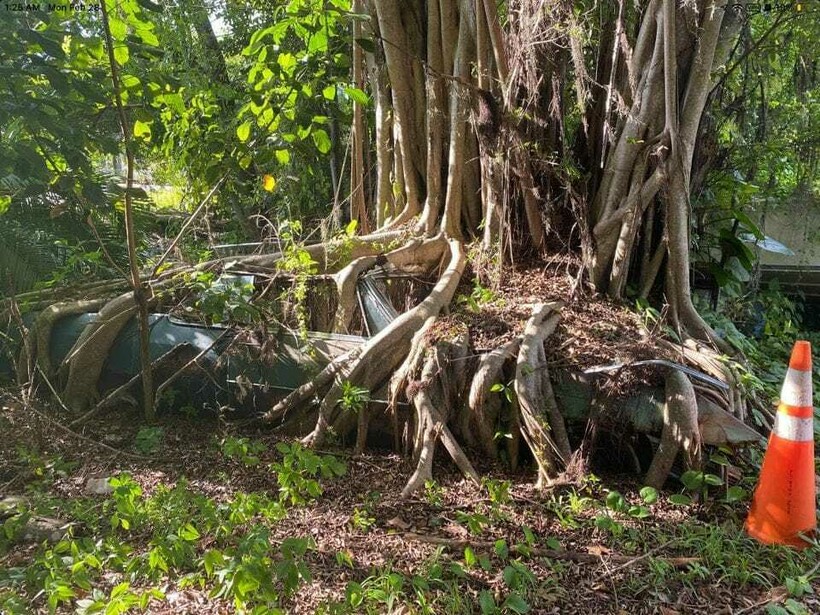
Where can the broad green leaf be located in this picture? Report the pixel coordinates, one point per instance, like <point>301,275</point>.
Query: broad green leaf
<point>712,479</point>
<point>243,131</point>
<point>142,130</point>
<point>748,224</point>
<point>321,140</point>
<point>358,96</point>
<point>282,156</point>
<point>5,201</point>
<point>121,54</point>
<point>487,603</point>
<point>735,494</point>
<point>317,43</point>
<point>118,28</point>
<point>649,495</point>
<point>147,36</point>
<point>189,533</point>
<point>692,480</point>
<point>287,61</point>
<point>354,594</point>
<point>246,583</point>
<point>470,557</point>
<point>615,501</point>
<point>130,82</point>
<point>516,604</point>
<point>212,559</point>
<point>329,92</point>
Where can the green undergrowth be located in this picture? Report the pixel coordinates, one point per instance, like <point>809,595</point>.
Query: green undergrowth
<point>140,546</point>
<point>764,328</point>
<point>119,554</point>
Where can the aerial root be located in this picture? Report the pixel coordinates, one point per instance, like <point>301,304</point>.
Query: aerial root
<point>680,430</point>
<point>346,281</point>
<point>712,363</point>
<point>44,324</point>
<point>432,426</point>
<point>482,405</point>
<point>312,388</point>
<point>534,393</point>
<point>383,353</point>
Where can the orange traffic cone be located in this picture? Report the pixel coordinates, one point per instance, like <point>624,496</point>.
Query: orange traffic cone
<point>783,505</point>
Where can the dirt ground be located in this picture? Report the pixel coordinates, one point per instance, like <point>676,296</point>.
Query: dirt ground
<point>675,560</point>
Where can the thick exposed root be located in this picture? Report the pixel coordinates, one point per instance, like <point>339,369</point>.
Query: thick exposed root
<point>311,388</point>
<point>398,384</point>
<point>45,322</point>
<point>86,358</point>
<point>680,430</point>
<point>488,373</point>
<point>415,254</point>
<point>430,393</point>
<point>411,364</point>
<point>539,413</point>
<point>346,286</point>
<point>385,351</point>
<point>426,442</point>
<point>169,363</point>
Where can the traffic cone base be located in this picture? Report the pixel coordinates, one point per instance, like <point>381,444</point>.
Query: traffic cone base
<point>783,509</point>
<point>783,506</point>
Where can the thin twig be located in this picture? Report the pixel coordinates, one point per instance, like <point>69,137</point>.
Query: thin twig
<point>775,598</point>
<point>170,380</point>
<point>575,556</point>
<point>80,436</point>
<point>185,226</point>
<point>100,242</point>
<point>639,558</point>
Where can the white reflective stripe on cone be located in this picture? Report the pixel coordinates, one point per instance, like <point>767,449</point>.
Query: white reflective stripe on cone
<point>796,389</point>
<point>794,428</point>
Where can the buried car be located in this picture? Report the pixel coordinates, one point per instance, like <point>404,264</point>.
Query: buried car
<point>236,366</point>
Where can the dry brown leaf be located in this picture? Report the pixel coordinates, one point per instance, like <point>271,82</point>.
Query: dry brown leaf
<point>598,550</point>
<point>399,523</point>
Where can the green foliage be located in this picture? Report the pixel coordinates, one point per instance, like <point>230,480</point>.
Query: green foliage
<point>433,493</point>
<point>507,389</point>
<point>764,125</point>
<point>42,469</point>
<point>121,599</point>
<point>57,190</point>
<point>149,439</point>
<point>200,109</point>
<point>354,398</point>
<point>362,518</point>
<point>297,261</point>
<point>299,471</point>
<point>224,298</point>
<point>479,297</point>
<point>475,521</point>
<point>177,533</point>
<point>244,450</point>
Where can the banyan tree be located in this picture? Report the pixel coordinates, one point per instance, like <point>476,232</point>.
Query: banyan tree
<point>495,133</point>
